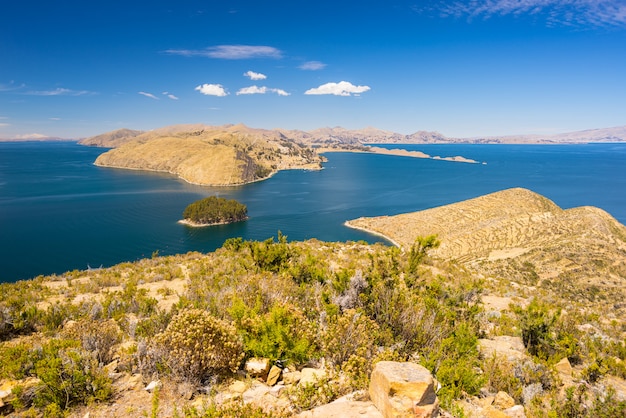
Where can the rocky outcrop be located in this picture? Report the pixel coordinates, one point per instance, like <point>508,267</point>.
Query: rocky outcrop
<point>403,390</point>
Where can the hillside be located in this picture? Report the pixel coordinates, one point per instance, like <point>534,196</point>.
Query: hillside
<point>504,335</point>
<point>525,237</point>
<point>228,155</point>
<point>111,139</point>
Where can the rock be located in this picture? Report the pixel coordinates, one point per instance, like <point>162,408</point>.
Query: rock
<point>310,376</point>
<point>277,390</point>
<point>343,407</point>
<point>403,390</point>
<point>503,401</point>
<point>291,378</point>
<point>509,348</point>
<point>516,411</point>
<point>153,385</point>
<point>255,393</point>
<point>237,387</point>
<point>274,375</point>
<point>257,367</point>
<point>564,367</point>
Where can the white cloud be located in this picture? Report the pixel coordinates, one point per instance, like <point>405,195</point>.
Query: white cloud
<point>312,66</point>
<point>254,76</point>
<point>562,12</point>
<point>2,125</point>
<point>212,90</point>
<point>261,90</point>
<point>59,92</point>
<point>150,95</point>
<point>54,118</point>
<point>343,88</point>
<point>170,95</point>
<point>230,52</point>
<point>11,86</point>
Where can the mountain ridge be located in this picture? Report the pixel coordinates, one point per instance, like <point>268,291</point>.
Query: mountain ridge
<point>371,135</point>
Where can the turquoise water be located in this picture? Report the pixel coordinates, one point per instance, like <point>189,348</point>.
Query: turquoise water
<point>59,212</point>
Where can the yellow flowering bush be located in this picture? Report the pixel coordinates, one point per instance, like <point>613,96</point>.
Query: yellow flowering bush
<point>197,346</point>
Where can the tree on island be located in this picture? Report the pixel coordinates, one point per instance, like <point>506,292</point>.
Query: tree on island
<point>215,210</point>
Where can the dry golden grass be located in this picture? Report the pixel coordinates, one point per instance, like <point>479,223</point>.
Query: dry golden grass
<point>521,236</point>
<point>211,156</point>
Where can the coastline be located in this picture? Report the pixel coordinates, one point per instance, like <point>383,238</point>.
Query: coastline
<point>193,224</point>
<point>401,153</point>
<point>349,224</point>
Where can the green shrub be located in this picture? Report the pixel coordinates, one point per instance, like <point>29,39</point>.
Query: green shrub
<point>282,333</point>
<point>197,346</point>
<point>69,375</point>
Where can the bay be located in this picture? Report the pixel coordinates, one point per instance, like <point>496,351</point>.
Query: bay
<point>59,212</point>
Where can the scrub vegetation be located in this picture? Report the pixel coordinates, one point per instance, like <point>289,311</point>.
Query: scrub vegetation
<point>194,319</point>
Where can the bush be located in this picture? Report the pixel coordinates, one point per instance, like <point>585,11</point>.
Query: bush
<point>282,333</point>
<point>197,346</point>
<point>352,333</point>
<point>69,375</point>
<point>98,337</point>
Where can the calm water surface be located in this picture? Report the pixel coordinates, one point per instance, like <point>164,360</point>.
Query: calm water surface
<point>59,212</point>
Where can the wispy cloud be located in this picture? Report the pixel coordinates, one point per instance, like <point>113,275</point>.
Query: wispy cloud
<point>2,125</point>
<point>596,13</point>
<point>230,52</point>
<point>343,88</point>
<point>254,76</point>
<point>150,95</point>
<point>59,91</point>
<point>312,66</point>
<point>212,90</point>
<point>11,86</point>
<point>261,90</point>
<point>54,118</point>
<point>170,95</point>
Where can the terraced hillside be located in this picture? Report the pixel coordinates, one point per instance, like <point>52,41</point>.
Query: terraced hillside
<point>520,235</point>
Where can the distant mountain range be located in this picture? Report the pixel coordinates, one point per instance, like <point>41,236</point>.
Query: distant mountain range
<point>369,135</point>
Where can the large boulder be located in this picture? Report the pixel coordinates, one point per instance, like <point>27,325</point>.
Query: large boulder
<point>403,390</point>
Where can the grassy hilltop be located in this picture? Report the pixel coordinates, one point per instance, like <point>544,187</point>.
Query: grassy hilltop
<point>520,300</point>
<point>216,156</point>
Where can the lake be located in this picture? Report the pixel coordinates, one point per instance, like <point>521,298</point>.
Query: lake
<point>59,212</point>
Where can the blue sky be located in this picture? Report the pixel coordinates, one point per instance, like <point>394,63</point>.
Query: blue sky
<point>77,68</point>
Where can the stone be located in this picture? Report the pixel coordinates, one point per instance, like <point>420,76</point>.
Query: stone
<point>277,390</point>
<point>310,376</point>
<point>255,393</point>
<point>257,367</point>
<point>403,389</point>
<point>503,401</point>
<point>237,387</point>
<point>510,348</point>
<point>274,375</point>
<point>564,367</point>
<point>153,385</point>
<point>343,407</point>
<point>516,411</point>
<point>291,378</point>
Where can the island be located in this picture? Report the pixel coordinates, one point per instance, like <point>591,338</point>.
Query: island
<point>214,211</point>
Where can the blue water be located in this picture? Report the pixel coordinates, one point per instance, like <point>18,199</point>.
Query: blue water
<point>59,212</point>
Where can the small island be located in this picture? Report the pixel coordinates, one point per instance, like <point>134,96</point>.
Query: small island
<point>214,211</point>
